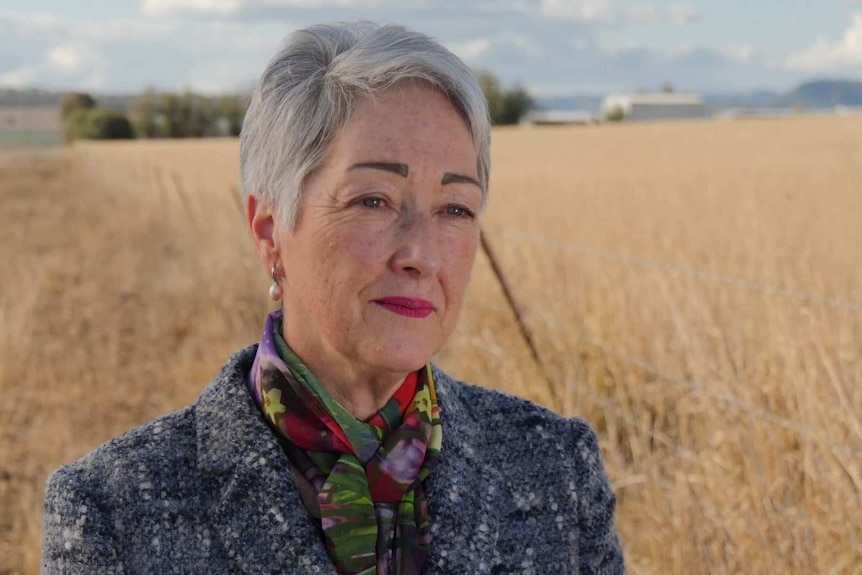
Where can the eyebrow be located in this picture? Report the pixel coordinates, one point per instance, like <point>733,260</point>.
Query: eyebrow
<point>399,169</point>
<point>403,170</point>
<point>450,178</point>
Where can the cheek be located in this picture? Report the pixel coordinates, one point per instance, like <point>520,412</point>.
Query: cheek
<point>362,244</point>
<point>350,255</point>
<point>460,253</point>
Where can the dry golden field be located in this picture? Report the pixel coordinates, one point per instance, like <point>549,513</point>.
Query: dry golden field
<point>694,290</point>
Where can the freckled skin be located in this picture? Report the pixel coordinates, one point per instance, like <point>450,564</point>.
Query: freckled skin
<point>367,233</point>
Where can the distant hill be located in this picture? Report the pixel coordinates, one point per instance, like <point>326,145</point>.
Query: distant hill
<point>825,94</point>
<point>814,95</point>
<point>33,98</point>
<point>29,98</point>
<point>758,99</point>
<point>717,101</point>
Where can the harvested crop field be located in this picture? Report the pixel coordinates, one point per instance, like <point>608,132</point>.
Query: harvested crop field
<point>694,290</point>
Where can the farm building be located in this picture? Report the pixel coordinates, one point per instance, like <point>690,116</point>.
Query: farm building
<point>558,117</point>
<point>654,106</point>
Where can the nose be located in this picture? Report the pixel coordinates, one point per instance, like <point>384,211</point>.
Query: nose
<point>418,251</point>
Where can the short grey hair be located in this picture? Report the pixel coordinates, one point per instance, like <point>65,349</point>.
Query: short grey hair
<point>309,89</point>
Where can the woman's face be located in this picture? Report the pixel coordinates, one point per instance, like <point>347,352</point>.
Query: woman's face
<point>377,266</point>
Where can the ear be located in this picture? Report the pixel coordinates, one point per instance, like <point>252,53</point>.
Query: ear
<point>262,223</point>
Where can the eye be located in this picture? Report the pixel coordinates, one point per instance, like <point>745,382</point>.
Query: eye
<point>458,212</point>
<point>372,202</point>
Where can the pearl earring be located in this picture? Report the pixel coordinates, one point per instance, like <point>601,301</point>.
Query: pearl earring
<point>275,289</point>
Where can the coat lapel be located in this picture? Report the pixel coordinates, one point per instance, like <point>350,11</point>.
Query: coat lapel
<point>256,508</point>
<point>257,511</point>
<point>462,490</point>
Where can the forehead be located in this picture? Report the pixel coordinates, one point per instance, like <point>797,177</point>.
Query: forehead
<point>407,120</point>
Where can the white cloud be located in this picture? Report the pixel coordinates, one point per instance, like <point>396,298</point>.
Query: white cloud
<point>128,55</point>
<point>66,58</point>
<point>172,7</point>
<point>19,78</point>
<point>491,49</point>
<point>639,13</point>
<point>737,53</point>
<point>608,11</point>
<point>558,51</point>
<point>683,13</point>
<point>670,53</point>
<point>577,10</point>
<point>471,50</point>
<point>824,56</point>
<point>528,46</point>
<point>730,53</point>
<point>324,3</point>
<point>79,63</point>
<point>39,26</point>
<point>32,22</point>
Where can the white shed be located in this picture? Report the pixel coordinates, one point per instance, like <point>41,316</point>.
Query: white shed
<point>654,106</point>
<point>557,117</point>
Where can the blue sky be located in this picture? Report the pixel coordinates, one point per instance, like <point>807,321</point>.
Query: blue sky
<point>554,47</point>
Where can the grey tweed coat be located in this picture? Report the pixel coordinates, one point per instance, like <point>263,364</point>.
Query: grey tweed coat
<point>208,489</point>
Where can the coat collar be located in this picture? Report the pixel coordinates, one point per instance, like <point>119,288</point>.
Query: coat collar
<point>463,489</point>
<point>257,510</point>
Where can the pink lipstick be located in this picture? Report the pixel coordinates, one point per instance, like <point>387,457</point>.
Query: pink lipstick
<point>407,306</point>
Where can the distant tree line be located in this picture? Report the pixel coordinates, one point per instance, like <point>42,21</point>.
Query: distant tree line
<point>83,119</point>
<point>189,115</point>
<point>153,115</point>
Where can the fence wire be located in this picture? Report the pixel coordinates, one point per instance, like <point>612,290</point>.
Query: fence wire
<point>691,385</point>
<point>682,271</point>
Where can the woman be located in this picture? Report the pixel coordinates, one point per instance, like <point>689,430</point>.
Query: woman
<point>333,446</point>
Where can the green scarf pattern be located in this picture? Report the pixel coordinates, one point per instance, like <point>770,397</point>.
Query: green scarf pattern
<point>368,475</point>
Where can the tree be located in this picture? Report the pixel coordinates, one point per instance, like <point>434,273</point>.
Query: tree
<point>615,114</point>
<point>504,106</point>
<point>491,88</point>
<point>515,104</point>
<point>145,115</point>
<point>170,108</point>
<point>196,114</point>
<point>97,124</point>
<point>186,115</point>
<point>231,112</point>
<point>667,88</point>
<point>76,101</point>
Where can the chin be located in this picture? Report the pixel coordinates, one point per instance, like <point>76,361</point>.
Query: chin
<point>404,355</point>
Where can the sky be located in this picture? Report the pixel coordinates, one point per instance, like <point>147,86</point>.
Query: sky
<point>553,47</point>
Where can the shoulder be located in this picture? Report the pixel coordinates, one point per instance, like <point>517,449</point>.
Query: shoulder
<point>505,414</point>
<point>112,489</point>
<point>160,455</point>
<point>143,495</point>
<point>517,425</point>
<point>549,469</point>
<point>129,464</point>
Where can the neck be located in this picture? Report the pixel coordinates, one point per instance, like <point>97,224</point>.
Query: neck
<point>364,399</point>
<point>361,390</point>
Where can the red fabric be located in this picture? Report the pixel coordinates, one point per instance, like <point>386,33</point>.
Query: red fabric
<point>307,435</point>
<point>403,396</point>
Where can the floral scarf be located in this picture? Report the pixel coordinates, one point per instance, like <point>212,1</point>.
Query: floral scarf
<point>368,475</point>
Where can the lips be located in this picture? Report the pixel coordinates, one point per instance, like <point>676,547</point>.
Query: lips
<point>407,306</point>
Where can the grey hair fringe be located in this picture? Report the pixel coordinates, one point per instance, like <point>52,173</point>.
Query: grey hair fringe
<point>310,87</point>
